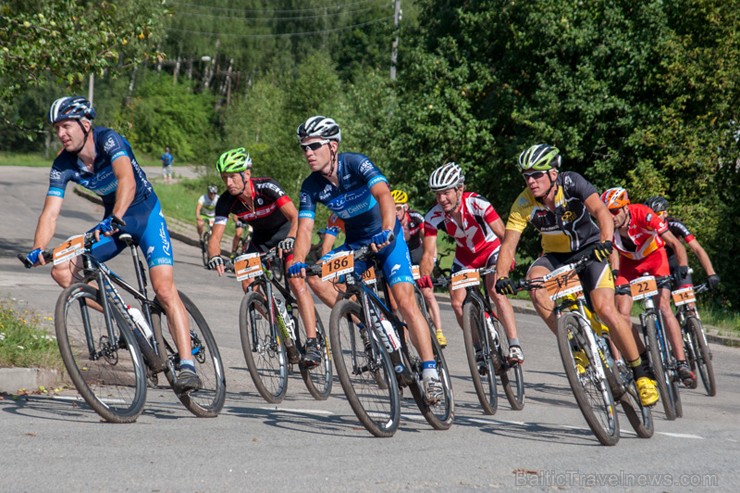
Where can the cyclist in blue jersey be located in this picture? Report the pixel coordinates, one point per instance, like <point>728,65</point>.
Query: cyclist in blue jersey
<point>354,189</point>
<point>102,161</point>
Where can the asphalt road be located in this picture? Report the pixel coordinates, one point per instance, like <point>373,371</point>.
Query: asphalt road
<point>303,445</point>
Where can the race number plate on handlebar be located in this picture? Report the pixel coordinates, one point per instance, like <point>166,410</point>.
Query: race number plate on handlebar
<point>338,264</point>
<point>247,266</point>
<point>368,277</point>
<point>465,278</point>
<point>683,296</point>
<point>563,282</point>
<point>643,287</point>
<point>73,247</point>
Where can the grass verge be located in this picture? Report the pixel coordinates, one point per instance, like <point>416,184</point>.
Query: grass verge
<point>24,341</point>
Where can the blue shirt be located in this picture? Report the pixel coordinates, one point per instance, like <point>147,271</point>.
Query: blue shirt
<point>109,146</point>
<point>167,159</point>
<point>351,201</point>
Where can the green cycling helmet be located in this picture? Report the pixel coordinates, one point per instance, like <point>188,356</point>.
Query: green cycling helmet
<point>539,157</point>
<point>234,161</point>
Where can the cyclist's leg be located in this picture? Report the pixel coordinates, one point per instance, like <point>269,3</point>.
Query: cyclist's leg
<point>457,296</point>
<point>541,301</point>
<point>504,310</point>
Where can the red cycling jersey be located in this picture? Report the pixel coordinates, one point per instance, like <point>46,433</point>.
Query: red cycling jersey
<point>475,239</point>
<point>644,230</point>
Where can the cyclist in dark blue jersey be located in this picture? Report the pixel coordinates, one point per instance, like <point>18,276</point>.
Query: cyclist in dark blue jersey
<point>357,192</point>
<point>102,161</point>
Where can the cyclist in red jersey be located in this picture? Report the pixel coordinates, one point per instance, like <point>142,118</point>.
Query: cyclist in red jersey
<point>476,227</point>
<point>639,239</point>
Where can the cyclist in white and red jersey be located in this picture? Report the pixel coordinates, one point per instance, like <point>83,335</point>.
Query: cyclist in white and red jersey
<point>640,236</point>
<point>477,229</point>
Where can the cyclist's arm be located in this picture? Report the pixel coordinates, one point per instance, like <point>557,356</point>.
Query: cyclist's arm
<point>675,244</point>
<point>498,228</point>
<point>126,189</point>
<point>429,246</point>
<point>302,239</point>
<point>47,223</point>
<point>382,194</point>
<point>214,244</point>
<point>703,257</point>
<point>327,244</point>
<point>198,207</point>
<point>598,210</point>
<point>508,249</point>
<point>291,214</point>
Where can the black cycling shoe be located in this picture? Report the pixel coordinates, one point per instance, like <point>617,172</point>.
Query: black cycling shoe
<point>312,354</point>
<point>685,374</point>
<point>482,367</point>
<point>188,380</point>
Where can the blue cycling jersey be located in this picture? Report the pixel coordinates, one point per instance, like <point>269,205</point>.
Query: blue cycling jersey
<point>356,206</point>
<point>351,201</point>
<point>109,146</point>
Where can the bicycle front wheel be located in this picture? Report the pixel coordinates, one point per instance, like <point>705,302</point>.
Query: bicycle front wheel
<point>480,354</point>
<point>662,376</point>
<point>204,247</point>
<point>106,366</point>
<point>318,380</point>
<point>207,401</point>
<point>587,379</point>
<point>702,355</point>
<point>264,351</point>
<point>512,376</point>
<point>364,370</point>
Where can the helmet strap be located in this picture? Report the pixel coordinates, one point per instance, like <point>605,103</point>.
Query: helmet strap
<point>332,160</point>
<point>85,133</point>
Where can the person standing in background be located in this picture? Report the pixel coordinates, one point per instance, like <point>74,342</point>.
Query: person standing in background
<point>167,160</point>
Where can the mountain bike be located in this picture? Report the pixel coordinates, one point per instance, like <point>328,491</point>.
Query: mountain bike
<point>373,355</point>
<point>597,377</point>
<point>109,356</point>
<point>205,238</point>
<point>272,333</point>
<point>486,344</point>
<point>656,341</point>
<point>698,354</point>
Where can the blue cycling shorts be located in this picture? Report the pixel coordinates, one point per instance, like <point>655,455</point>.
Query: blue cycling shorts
<point>146,224</point>
<point>394,258</point>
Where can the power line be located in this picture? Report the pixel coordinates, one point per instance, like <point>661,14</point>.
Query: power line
<point>282,35</point>
<point>270,11</point>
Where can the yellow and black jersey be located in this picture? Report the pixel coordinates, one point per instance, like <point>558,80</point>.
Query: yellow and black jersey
<point>566,229</point>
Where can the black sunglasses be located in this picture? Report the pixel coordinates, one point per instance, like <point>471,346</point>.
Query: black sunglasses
<point>536,175</point>
<point>314,146</point>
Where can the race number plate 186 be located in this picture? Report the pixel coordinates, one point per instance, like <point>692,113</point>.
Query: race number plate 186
<point>338,264</point>
<point>465,278</point>
<point>73,247</point>
<point>247,266</point>
<point>683,296</point>
<point>643,287</point>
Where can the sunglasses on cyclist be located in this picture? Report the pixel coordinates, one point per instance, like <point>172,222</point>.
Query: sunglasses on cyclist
<point>615,212</point>
<point>536,175</point>
<point>314,146</point>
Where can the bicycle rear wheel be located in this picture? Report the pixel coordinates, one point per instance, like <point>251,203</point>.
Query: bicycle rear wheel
<point>359,369</point>
<point>589,384</point>
<point>484,376</point>
<point>264,351</point>
<point>108,372</point>
<point>207,401</point>
<point>662,376</point>
<point>623,384</point>
<point>702,355</point>
<point>512,376</point>
<point>318,380</point>
<point>204,247</point>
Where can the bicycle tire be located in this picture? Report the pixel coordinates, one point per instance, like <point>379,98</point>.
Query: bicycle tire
<point>703,355</point>
<point>267,361</point>
<point>510,374</point>
<point>318,380</point>
<point>593,394</point>
<point>656,360</point>
<point>474,327</point>
<point>207,401</point>
<point>639,416</point>
<point>378,407</point>
<point>204,247</point>
<point>113,383</point>
<point>440,415</point>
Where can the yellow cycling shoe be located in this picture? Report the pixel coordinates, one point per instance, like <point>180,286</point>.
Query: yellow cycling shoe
<point>441,339</point>
<point>581,361</point>
<point>647,390</point>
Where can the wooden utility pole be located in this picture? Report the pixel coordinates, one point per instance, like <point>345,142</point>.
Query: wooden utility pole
<point>394,47</point>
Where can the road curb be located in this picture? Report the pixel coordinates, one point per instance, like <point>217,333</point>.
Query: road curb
<point>14,380</point>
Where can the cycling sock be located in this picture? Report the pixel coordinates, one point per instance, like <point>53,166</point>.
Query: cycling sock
<point>187,364</point>
<point>514,342</point>
<point>638,370</point>
<point>429,369</point>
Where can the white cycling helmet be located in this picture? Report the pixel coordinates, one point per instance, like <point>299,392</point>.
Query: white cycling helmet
<point>319,126</point>
<point>449,175</point>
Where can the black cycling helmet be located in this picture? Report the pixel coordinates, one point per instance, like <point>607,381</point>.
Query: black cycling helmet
<point>657,203</point>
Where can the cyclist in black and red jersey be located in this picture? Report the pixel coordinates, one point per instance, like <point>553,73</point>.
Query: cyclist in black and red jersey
<point>264,205</point>
<point>659,205</point>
